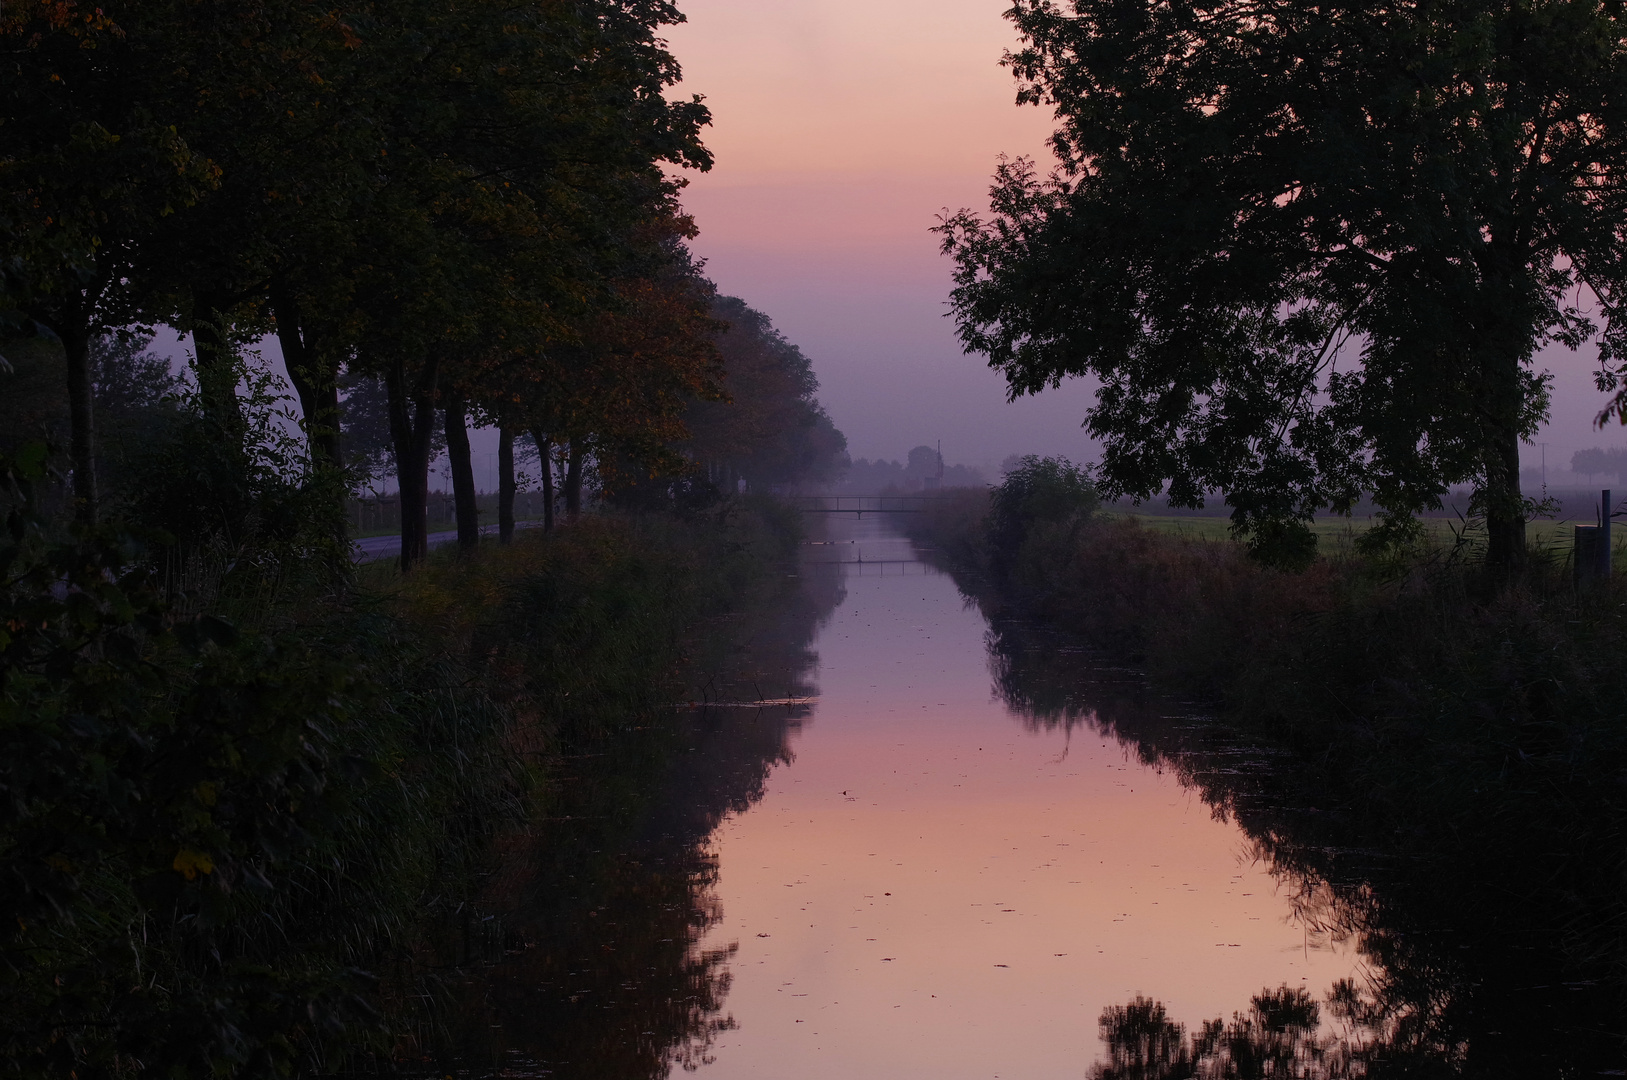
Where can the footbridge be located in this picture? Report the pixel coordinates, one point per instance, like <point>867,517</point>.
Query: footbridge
<point>860,504</point>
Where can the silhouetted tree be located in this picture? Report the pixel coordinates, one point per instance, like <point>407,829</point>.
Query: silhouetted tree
<point>772,428</point>
<point>1308,250</point>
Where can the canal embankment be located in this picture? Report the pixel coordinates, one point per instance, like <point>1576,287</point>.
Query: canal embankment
<point>1472,732</point>
<point>266,838</point>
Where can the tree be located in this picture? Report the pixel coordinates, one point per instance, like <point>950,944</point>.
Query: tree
<point>1593,461</point>
<point>89,169</point>
<point>771,429</point>
<point>526,152</point>
<point>1309,250</point>
<point>613,389</point>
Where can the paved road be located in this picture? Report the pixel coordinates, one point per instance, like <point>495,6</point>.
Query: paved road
<point>373,548</point>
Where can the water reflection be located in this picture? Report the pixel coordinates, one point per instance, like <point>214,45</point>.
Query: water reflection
<point>935,891</point>
<point>585,960</point>
<point>1461,977</point>
<point>942,885</point>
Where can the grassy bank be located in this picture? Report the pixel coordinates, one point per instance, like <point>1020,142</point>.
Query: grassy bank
<point>1479,732</point>
<point>236,842</point>
<point>1337,534</point>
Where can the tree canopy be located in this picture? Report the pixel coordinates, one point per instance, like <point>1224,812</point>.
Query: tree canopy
<point>1310,251</point>
<point>771,428</point>
<point>471,203</point>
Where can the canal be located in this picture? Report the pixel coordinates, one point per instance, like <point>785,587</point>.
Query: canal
<point>937,885</point>
<point>887,835</point>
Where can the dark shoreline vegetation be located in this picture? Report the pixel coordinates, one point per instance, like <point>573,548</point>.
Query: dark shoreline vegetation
<point>1435,761</point>
<point>262,810</point>
<point>261,839</point>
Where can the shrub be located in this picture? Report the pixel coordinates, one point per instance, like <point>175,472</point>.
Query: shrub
<point>1039,491</point>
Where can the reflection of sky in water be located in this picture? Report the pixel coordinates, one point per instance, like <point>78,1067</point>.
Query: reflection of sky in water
<point>932,889</point>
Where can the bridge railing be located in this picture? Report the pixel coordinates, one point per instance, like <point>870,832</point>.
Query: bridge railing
<point>861,504</point>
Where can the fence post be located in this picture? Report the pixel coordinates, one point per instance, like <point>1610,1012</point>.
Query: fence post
<point>1604,530</point>
<point>1586,561</point>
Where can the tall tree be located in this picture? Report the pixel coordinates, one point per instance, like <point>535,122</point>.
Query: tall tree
<point>90,167</point>
<point>1309,250</point>
<point>771,429</point>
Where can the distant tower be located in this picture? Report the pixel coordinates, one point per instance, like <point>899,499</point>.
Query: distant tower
<point>929,483</point>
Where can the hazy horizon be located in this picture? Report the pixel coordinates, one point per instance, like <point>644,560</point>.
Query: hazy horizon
<point>841,130</point>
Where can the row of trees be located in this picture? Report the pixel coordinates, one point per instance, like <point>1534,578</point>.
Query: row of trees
<point>1596,462</point>
<point>472,203</point>
<point>766,431</point>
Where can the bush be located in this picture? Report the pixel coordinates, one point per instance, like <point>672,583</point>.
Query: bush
<point>209,835</point>
<point>1039,491</point>
<point>221,848</point>
<point>1480,733</point>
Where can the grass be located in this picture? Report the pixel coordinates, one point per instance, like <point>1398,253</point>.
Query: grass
<point>1337,534</point>
<point>236,841</point>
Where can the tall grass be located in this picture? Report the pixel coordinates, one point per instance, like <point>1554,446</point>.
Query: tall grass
<point>229,838</point>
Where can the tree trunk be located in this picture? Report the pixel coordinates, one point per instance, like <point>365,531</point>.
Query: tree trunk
<point>463,475</point>
<point>545,447</point>
<point>573,479</point>
<point>1505,511</point>
<point>1502,337</point>
<point>75,335</point>
<point>412,419</point>
<point>315,379</point>
<point>505,484</point>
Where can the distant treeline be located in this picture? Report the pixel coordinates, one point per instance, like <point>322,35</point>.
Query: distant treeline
<point>924,468</point>
<point>1597,462</point>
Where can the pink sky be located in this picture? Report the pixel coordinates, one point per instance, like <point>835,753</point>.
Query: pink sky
<point>842,128</point>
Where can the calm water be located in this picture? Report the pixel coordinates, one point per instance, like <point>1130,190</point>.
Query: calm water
<point>938,887</point>
<point>887,838</point>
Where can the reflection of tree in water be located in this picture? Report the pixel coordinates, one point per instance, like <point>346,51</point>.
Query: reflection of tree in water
<point>585,963</point>
<point>1280,1035</point>
<point>1463,978</point>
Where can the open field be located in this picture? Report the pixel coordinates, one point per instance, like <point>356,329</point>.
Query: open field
<point>1335,531</point>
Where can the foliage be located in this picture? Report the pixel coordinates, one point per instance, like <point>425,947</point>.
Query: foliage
<point>1594,461</point>
<point>771,429</point>
<point>206,831</point>
<point>241,793</point>
<point>1309,251</point>
<point>1038,492</point>
<point>222,847</point>
<point>1280,1034</point>
<point>230,512</point>
<point>1473,730</point>
<point>364,411</point>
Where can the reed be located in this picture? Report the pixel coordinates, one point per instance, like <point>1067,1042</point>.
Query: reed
<point>229,844</point>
